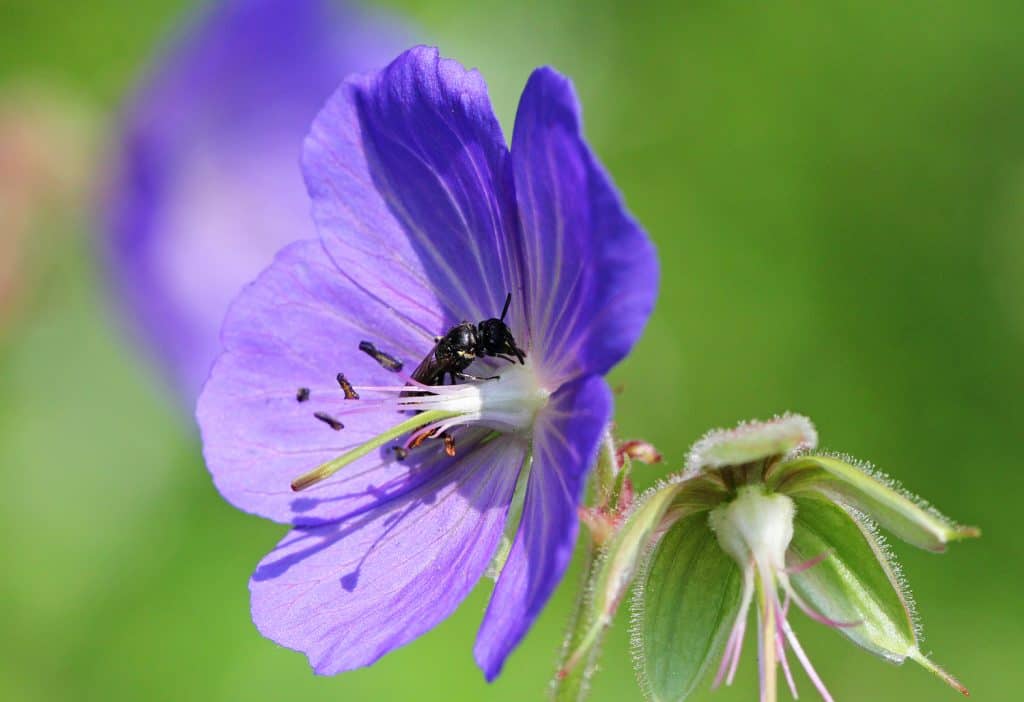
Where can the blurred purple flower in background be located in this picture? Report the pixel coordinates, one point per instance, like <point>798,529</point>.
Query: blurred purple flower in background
<point>207,186</point>
<point>426,219</point>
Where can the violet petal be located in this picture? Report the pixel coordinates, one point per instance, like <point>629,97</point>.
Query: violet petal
<point>408,172</point>
<point>566,438</point>
<point>592,274</point>
<point>347,593</point>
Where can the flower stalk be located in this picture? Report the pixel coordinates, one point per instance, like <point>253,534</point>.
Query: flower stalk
<point>617,535</point>
<point>581,647</point>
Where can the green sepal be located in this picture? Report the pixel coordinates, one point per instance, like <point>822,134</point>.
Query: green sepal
<point>858,582</point>
<point>891,507</point>
<point>684,605</point>
<point>855,583</point>
<point>620,558</point>
<point>750,442</point>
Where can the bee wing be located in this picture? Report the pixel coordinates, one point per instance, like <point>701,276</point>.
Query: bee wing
<point>429,371</point>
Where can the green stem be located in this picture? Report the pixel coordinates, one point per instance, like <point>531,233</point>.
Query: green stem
<point>572,680</point>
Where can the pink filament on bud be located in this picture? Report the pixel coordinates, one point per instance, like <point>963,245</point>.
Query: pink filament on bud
<point>775,612</point>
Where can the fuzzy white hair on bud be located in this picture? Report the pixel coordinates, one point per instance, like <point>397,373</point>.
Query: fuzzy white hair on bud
<point>751,441</point>
<point>756,526</point>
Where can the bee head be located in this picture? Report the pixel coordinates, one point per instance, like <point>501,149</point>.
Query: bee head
<point>494,338</point>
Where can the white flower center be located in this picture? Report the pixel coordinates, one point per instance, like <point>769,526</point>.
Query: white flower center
<point>507,403</point>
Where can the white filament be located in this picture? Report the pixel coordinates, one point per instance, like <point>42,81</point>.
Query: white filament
<point>507,402</point>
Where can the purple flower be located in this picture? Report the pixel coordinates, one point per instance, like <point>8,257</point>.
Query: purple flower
<point>426,219</point>
<point>207,185</point>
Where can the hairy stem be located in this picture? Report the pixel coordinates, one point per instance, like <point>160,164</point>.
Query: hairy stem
<point>572,679</point>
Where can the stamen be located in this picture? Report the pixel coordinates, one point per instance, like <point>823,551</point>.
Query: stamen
<point>411,385</point>
<point>386,361</point>
<point>808,564</point>
<point>329,421</point>
<point>805,662</point>
<point>449,444</point>
<point>302,394</point>
<point>780,644</point>
<point>416,440</point>
<point>331,467</point>
<point>740,635</point>
<point>734,647</point>
<point>814,614</point>
<point>429,432</point>
<point>735,641</point>
<point>346,387</point>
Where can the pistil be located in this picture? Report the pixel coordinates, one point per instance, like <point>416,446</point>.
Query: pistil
<point>328,469</point>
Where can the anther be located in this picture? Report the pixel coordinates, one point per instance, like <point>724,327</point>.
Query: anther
<point>449,444</point>
<point>346,387</point>
<point>302,394</point>
<point>329,421</point>
<point>420,438</point>
<point>386,361</point>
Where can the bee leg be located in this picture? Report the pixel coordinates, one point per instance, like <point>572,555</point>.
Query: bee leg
<point>467,376</point>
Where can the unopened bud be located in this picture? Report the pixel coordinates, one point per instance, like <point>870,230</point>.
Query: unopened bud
<point>637,450</point>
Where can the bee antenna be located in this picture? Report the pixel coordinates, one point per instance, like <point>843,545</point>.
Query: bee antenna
<point>504,310</point>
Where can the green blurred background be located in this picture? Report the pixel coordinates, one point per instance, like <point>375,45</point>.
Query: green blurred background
<point>837,194</point>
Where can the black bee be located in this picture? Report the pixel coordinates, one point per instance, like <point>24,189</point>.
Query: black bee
<point>462,344</point>
<point>451,356</point>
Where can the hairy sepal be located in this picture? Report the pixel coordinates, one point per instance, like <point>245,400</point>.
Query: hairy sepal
<point>622,555</point>
<point>684,606</point>
<point>859,581</point>
<point>894,509</point>
<point>751,441</point>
